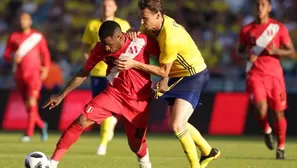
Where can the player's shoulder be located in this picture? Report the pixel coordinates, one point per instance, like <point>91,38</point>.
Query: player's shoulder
<point>94,23</point>
<point>279,23</point>
<point>34,31</point>
<point>121,21</point>
<point>248,26</point>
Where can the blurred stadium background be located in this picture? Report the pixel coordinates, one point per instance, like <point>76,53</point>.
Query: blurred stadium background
<point>213,24</point>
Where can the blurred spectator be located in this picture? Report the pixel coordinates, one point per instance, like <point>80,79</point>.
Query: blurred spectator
<point>213,24</point>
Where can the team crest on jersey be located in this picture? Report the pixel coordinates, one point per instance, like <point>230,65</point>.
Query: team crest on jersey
<point>89,109</point>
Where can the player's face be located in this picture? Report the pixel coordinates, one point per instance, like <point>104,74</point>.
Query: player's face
<point>109,8</point>
<point>25,21</point>
<point>112,44</point>
<point>263,9</point>
<point>150,20</point>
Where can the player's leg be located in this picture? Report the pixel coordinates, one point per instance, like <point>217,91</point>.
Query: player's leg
<point>68,138</point>
<point>137,143</point>
<point>93,112</point>
<point>258,94</point>
<point>178,118</point>
<point>98,84</point>
<point>278,102</point>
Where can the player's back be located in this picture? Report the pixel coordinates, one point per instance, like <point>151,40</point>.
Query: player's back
<point>258,38</point>
<point>189,60</point>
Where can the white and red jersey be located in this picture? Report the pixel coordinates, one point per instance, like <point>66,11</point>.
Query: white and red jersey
<point>132,83</point>
<point>257,38</point>
<point>29,47</point>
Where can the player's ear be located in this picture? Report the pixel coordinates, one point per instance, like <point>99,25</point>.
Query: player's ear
<point>159,15</point>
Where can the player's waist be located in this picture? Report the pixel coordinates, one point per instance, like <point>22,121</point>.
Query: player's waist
<point>181,71</point>
<point>128,94</point>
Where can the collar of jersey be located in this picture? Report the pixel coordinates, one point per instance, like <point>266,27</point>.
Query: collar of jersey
<point>161,26</point>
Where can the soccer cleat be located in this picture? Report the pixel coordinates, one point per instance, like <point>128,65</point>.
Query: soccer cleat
<point>269,141</point>
<point>26,139</point>
<point>44,134</point>
<point>101,150</point>
<point>280,154</point>
<point>205,160</point>
<point>145,164</point>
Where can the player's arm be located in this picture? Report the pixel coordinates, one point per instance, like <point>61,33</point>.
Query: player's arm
<point>87,41</point>
<point>46,58</point>
<point>241,47</point>
<point>8,49</point>
<point>287,48</point>
<point>76,80</point>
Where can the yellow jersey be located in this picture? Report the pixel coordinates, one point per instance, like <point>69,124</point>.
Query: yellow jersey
<point>178,47</point>
<point>91,37</point>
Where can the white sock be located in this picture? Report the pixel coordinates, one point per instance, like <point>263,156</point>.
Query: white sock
<point>53,163</point>
<point>144,159</point>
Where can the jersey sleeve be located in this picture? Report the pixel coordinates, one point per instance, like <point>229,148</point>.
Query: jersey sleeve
<point>97,55</point>
<point>152,47</point>
<point>284,35</point>
<point>45,52</point>
<point>168,51</point>
<point>8,49</point>
<point>87,36</point>
<point>242,38</point>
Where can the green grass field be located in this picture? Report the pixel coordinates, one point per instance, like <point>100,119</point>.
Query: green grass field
<point>165,152</point>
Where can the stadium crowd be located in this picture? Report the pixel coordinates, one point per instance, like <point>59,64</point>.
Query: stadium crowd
<point>214,25</point>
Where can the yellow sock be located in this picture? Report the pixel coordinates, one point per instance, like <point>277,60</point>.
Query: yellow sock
<point>200,142</point>
<point>106,130</point>
<point>189,147</point>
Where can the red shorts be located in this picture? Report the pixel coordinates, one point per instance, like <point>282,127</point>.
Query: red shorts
<point>109,103</point>
<point>269,88</point>
<point>29,88</point>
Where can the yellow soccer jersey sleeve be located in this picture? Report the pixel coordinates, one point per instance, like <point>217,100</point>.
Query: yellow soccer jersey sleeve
<point>178,47</point>
<point>91,37</point>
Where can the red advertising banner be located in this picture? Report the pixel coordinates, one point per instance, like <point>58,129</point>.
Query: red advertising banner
<point>15,115</point>
<point>72,107</point>
<point>229,114</point>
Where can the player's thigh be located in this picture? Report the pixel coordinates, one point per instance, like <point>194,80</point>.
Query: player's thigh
<point>101,107</point>
<point>98,84</point>
<point>277,96</point>
<point>256,89</point>
<point>84,122</point>
<point>180,112</point>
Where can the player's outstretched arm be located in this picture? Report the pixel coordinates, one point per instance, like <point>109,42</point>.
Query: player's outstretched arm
<point>76,81</point>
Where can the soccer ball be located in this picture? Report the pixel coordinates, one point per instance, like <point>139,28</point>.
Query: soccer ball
<point>36,160</point>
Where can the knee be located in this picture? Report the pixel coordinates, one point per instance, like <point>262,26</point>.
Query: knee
<point>262,109</point>
<point>279,115</point>
<point>177,126</point>
<point>31,101</point>
<point>83,121</point>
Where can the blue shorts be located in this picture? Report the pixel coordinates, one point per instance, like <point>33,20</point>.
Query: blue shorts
<point>98,84</point>
<point>189,88</point>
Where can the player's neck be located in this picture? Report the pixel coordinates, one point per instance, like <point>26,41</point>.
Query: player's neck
<point>263,21</point>
<point>26,31</point>
<point>105,18</point>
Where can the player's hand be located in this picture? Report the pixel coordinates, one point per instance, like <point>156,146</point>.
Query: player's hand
<point>272,49</point>
<point>17,59</point>
<point>125,64</point>
<point>132,33</point>
<point>162,85</point>
<point>44,73</point>
<point>53,101</point>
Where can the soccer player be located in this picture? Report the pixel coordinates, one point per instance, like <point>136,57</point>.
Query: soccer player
<point>264,42</point>
<point>183,68</point>
<point>24,48</point>
<point>98,74</point>
<point>128,92</point>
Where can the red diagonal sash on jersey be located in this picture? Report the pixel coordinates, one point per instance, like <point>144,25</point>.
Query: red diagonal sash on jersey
<point>132,51</point>
<point>27,45</point>
<point>263,41</point>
